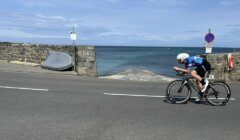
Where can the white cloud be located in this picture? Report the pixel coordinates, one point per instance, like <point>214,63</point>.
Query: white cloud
<point>176,37</point>
<point>173,2</point>
<point>70,25</point>
<point>51,17</point>
<point>45,21</point>
<point>11,33</point>
<point>33,3</point>
<point>229,3</point>
<point>112,0</point>
<point>234,25</point>
<point>152,37</point>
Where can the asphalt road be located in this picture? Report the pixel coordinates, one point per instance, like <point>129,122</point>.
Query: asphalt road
<point>56,107</point>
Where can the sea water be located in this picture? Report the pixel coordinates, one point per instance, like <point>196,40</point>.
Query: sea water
<point>160,60</point>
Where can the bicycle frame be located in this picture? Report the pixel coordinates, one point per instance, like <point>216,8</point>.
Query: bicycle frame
<point>188,80</point>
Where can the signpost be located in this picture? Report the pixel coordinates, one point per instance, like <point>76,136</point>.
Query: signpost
<point>73,36</point>
<point>209,37</point>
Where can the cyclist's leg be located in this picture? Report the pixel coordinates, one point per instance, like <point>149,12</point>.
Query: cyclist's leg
<point>200,94</point>
<point>195,75</point>
<point>199,85</point>
<point>203,70</point>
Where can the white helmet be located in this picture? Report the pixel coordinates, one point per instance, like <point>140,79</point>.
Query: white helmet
<point>181,57</point>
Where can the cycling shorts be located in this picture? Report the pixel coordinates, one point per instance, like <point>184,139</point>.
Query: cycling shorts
<point>201,70</point>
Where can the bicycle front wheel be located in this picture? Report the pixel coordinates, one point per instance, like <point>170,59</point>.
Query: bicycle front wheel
<point>218,93</point>
<point>178,92</point>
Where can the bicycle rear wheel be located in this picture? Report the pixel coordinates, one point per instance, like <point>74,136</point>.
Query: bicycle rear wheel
<point>218,93</point>
<point>178,92</point>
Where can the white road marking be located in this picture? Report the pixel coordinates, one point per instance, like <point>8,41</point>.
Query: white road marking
<point>152,96</point>
<point>136,95</point>
<point>232,99</point>
<point>24,88</point>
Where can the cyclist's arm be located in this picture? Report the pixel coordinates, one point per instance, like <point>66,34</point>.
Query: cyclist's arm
<point>186,70</point>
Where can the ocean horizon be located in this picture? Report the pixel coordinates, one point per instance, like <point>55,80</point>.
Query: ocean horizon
<point>138,46</point>
<point>160,60</point>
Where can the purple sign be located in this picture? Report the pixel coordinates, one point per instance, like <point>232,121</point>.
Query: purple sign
<point>209,37</point>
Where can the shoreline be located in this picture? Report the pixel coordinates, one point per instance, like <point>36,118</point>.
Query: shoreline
<point>139,75</point>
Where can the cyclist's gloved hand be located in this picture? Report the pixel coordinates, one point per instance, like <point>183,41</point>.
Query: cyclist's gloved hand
<point>176,69</point>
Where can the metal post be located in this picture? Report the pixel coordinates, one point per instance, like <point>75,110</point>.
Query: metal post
<point>73,38</point>
<point>25,54</point>
<point>74,46</point>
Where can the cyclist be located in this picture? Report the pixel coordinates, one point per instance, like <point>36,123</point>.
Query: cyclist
<point>202,66</point>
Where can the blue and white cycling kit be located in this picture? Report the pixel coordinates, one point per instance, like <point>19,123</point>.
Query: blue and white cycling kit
<point>202,65</point>
<point>194,61</point>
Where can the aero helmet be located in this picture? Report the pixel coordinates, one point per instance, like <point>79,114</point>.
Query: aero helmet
<point>181,57</point>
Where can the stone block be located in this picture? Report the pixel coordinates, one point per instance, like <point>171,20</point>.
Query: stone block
<point>89,64</point>
<point>91,58</point>
<point>82,71</point>
<point>80,64</point>
<point>86,71</point>
<point>81,59</point>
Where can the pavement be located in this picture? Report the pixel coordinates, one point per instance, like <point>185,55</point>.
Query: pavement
<point>26,67</point>
<point>52,106</point>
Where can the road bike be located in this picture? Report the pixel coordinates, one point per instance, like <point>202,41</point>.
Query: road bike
<point>179,91</point>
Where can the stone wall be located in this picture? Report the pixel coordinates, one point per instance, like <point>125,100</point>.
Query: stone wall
<point>85,59</point>
<point>220,63</point>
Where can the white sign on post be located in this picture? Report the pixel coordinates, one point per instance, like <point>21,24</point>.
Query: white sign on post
<point>73,36</point>
<point>208,47</point>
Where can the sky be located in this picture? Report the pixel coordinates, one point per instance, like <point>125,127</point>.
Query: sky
<point>121,22</point>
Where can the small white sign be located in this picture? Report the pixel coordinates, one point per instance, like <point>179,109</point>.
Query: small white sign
<point>208,50</point>
<point>73,36</point>
<point>208,47</point>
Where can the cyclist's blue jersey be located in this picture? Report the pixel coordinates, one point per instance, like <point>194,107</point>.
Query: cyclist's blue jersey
<point>194,61</point>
